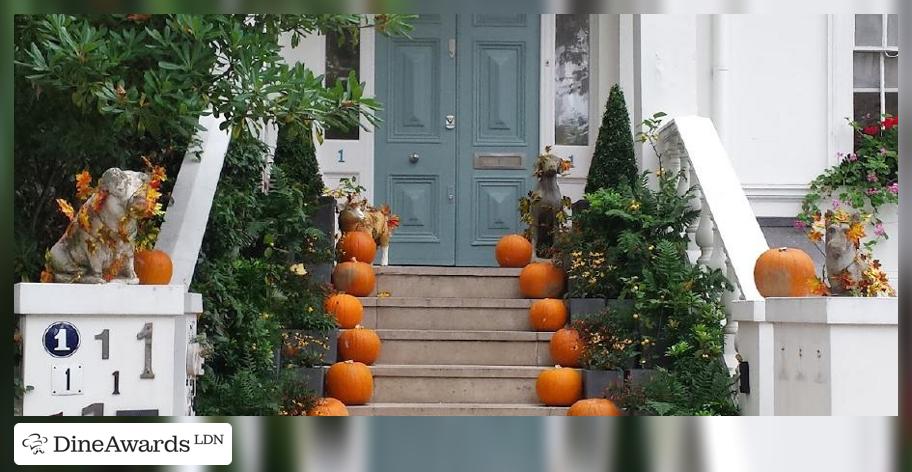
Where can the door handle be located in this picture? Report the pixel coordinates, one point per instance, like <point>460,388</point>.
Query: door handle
<point>451,193</point>
<point>413,157</point>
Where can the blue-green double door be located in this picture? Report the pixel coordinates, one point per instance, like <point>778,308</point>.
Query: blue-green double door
<point>459,134</point>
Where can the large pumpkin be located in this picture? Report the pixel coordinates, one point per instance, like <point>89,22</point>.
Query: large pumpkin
<point>153,267</point>
<point>594,407</point>
<point>328,406</point>
<point>347,309</point>
<point>559,386</point>
<point>354,278</point>
<point>350,382</point>
<point>549,314</point>
<point>357,245</point>
<point>566,347</point>
<point>513,250</point>
<point>784,272</point>
<point>359,345</point>
<point>541,280</point>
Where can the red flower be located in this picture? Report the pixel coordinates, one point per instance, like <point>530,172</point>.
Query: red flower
<point>890,122</point>
<point>871,130</point>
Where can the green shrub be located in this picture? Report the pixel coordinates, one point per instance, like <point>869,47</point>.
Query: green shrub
<point>613,163</point>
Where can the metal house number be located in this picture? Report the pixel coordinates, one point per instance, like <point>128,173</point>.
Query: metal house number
<point>146,333</point>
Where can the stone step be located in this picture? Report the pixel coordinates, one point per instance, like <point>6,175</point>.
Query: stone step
<point>436,384</point>
<point>450,347</point>
<point>455,409</point>
<point>489,314</point>
<point>447,282</point>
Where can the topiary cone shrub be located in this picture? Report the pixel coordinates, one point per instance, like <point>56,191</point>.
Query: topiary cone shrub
<point>613,162</point>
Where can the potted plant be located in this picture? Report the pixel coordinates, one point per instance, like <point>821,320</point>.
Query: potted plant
<point>606,352</point>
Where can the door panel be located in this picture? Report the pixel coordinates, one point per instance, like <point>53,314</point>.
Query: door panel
<point>498,75</point>
<point>414,152</point>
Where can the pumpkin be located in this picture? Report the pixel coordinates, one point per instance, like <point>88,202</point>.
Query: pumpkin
<point>354,278</point>
<point>549,314</point>
<point>153,267</point>
<point>346,308</point>
<point>357,245</point>
<point>566,347</point>
<point>784,272</point>
<point>541,280</point>
<point>594,407</point>
<point>559,386</point>
<point>328,406</point>
<point>513,250</point>
<point>359,345</point>
<point>350,382</point>
<point>348,220</point>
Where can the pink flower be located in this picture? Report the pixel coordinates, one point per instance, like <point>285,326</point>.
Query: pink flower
<point>883,151</point>
<point>879,230</point>
<point>851,157</point>
<point>800,225</point>
<point>872,177</point>
<point>871,191</point>
<point>836,203</point>
<point>894,187</point>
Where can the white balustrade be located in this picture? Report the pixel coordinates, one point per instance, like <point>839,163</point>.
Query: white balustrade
<point>726,236</point>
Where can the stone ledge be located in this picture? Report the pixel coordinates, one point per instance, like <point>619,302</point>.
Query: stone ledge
<point>457,371</point>
<point>102,299</point>
<point>447,271</point>
<point>432,302</point>
<point>462,335</point>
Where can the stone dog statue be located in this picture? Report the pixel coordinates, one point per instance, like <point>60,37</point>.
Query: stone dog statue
<point>844,263</point>
<point>549,201</point>
<point>98,244</point>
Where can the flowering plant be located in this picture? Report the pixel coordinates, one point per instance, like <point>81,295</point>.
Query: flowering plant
<point>864,180</point>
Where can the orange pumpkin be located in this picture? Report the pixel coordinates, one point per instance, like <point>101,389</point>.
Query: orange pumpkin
<point>153,267</point>
<point>328,406</point>
<point>354,278</point>
<point>548,314</point>
<point>346,308</point>
<point>566,347</point>
<point>359,345</point>
<point>559,386</point>
<point>541,280</point>
<point>350,382</point>
<point>513,250</point>
<point>784,272</point>
<point>357,245</point>
<point>594,407</point>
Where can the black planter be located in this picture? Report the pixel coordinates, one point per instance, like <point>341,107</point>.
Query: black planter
<point>300,344</point>
<point>582,307</point>
<point>321,273</point>
<point>311,377</point>
<point>597,382</point>
<point>640,377</point>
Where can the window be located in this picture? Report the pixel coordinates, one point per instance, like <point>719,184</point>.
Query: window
<point>876,66</point>
<point>343,55</point>
<point>571,80</point>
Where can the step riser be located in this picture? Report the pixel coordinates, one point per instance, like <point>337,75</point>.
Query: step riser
<point>453,390</point>
<point>418,410</point>
<point>450,286</point>
<point>484,319</point>
<point>434,352</point>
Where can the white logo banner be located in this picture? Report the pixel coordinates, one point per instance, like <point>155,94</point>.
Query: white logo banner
<point>122,443</point>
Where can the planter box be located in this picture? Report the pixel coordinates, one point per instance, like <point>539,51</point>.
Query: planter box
<point>580,308</point>
<point>325,220</point>
<point>307,343</point>
<point>640,377</point>
<point>820,355</point>
<point>596,382</point>
<point>312,377</point>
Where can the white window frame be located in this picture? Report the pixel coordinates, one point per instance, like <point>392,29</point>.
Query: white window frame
<point>884,49</point>
<point>581,154</point>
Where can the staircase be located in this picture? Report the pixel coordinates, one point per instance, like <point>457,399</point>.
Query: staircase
<point>456,342</point>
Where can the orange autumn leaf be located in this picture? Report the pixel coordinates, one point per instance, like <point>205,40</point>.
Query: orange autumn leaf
<point>47,276</point>
<point>83,185</point>
<point>83,218</point>
<point>817,287</point>
<point>855,233</point>
<point>99,201</point>
<point>66,208</point>
<point>112,270</point>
